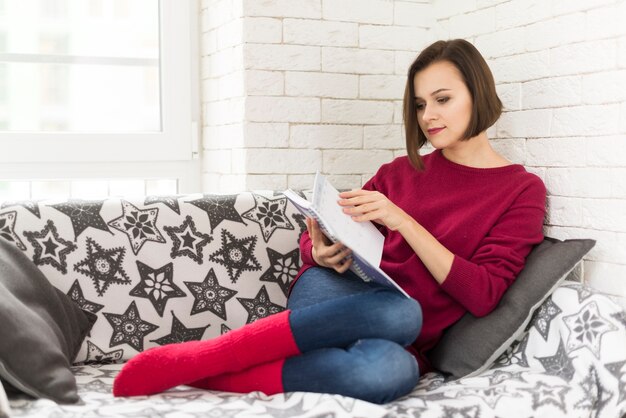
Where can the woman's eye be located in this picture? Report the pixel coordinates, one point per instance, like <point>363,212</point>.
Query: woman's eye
<point>442,100</point>
<point>419,106</point>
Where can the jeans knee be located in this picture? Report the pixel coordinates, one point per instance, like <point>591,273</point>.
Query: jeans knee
<point>389,374</point>
<point>402,318</point>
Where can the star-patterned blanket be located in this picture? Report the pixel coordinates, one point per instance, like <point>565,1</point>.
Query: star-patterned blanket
<point>166,269</point>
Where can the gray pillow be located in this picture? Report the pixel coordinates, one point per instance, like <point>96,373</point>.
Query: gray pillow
<point>472,344</point>
<point>41,329</point>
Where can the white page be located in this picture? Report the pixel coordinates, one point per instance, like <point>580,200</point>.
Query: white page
<point>362,237</point>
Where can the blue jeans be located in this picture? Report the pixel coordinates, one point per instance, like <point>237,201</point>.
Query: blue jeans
<point>352,336</point>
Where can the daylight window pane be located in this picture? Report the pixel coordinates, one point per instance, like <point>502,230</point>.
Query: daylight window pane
<point>80,97</point>
<point>163,187</point>
<point>128,28</point>
<point>50,189</point>
<point>90,189</point>
<point>11,190</point>
<point>127,188</point>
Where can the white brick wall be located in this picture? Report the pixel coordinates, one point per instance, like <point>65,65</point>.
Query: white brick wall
<point>294,86</point>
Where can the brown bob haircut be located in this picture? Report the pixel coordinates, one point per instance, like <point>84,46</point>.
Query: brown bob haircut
<point>486,106</point>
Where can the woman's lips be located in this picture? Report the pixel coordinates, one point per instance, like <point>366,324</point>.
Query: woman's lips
<point>435,130</point>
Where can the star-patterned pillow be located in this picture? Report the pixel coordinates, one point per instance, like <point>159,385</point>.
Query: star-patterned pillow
<point>161,269</point>
<point>472,344</point>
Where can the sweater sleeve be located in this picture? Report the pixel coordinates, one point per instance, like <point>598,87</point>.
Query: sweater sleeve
<point>479,283</point>
<point>306,249</point>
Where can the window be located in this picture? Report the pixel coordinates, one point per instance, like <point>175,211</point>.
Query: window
<point>108,82</point>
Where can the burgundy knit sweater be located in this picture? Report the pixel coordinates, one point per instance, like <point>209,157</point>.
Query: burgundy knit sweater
<point>489,218</point>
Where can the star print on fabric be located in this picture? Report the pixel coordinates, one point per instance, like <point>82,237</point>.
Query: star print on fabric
<point>464,412</point>
<point>31,205</point>
<point>76,294</point>
<point>138,224</point>
<point>491,396</point>
<point>269,214</point>
<point>209,295</point>
<point>543,317</point>
<point>587,328</point>
<point>157,285</point>
<point>49,247</point>
<point>7,229</point>
<point>260,307</point>
<point>589,388</point>
<point>295,410</point>
<point>103,266</point>
<point>500,376</point>
<point>236,254</point>
<point>96,385</point>
<point>180,333</point>
<point>300,220</point>
<point>224,329</point>
<point>219,208</point>
<point>616,370</point>
<point>515,354</point>
<point>283,268</point>
<point>620,317</point>
<point>169,201</point>
<point>129,328</point>
<point>83,214</point>
<point>544,394</point>
<point>97,356</point>
<point>188,241</point>
<point>559,364</point>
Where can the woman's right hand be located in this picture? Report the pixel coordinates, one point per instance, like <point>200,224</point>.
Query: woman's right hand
<point>325,253</point>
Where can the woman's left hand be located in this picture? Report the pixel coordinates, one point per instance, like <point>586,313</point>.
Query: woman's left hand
<point>373,206</point>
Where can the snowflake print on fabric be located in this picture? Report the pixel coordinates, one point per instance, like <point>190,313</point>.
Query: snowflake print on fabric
<point>169,201</point>
<point>560,364</point>
<point>103,266</point>
<point>236,254</point>
<point>139,225</point>
<point>180,333</point>
<point>210,296</point>
<point>31,205</point>
<point>157,285</point>
<point>283,268</point>
<point>586,329</point>
<point>543,317</point>
<point>83,214</point>
<point>7,229</point>
<point>219,208</point>
<point>515,354</point>
<point>188,241</point>
<point>269,214</point>
<point>96,356</point>
<point>260,307</point>
<point>76,294</point>
<point>129,328</point>
<point>49,247</point>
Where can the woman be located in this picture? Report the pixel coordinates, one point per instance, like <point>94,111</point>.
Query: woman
<point>458,225</point>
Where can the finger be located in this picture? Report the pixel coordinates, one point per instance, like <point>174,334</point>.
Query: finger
<point>339,256</point>
<point>365,208</point>
<point>329,251</point>
<point>353,192</point>
<point>344,267</point>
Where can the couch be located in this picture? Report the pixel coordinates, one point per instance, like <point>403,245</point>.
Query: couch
<point>161,269</point>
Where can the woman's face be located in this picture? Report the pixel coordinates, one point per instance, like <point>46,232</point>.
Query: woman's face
<point>443,103</point>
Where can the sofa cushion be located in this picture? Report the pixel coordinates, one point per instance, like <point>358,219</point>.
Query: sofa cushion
<point>472,344</point>
<point>41,328</point>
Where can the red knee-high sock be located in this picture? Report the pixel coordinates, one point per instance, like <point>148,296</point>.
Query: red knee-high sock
<point>267,378</point>
<point>161,368</point>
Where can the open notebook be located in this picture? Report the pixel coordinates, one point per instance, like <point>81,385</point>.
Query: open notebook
<point>363,238</point>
